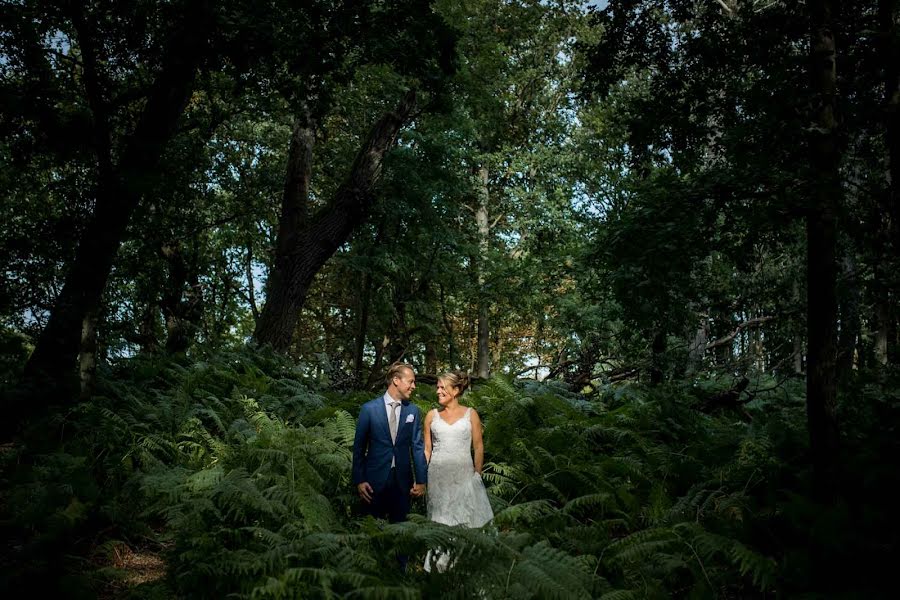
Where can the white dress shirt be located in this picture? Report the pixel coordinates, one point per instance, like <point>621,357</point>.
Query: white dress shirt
<point>387,411</point>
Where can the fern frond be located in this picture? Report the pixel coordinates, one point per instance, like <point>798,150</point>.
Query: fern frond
<point>761,569</point>
<point>525,512</point>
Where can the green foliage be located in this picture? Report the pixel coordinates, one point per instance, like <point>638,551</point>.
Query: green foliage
<point>241,481</point>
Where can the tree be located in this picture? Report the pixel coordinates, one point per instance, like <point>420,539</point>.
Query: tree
<point>821,387</point>
<point>125,164</point>
<point>302,252</point>
<point>304,242</point>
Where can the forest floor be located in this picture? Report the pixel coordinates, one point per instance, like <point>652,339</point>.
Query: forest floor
<point>134,567</point>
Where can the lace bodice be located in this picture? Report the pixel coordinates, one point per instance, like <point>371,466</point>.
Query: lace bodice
<point>452,442</point>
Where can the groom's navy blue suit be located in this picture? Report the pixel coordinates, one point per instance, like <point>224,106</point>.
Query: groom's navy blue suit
<point>373,452</point>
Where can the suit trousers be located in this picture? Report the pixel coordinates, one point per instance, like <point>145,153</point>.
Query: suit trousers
<point>391,502</point>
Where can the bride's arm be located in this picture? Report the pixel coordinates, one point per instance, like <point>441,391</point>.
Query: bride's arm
<point>427,426</point>
<point>477,441</point>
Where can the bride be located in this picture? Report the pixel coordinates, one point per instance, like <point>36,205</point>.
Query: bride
<point>456,494</point>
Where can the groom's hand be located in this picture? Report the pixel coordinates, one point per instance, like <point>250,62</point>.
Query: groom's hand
<point>417,490</point>
<point>365,491</point>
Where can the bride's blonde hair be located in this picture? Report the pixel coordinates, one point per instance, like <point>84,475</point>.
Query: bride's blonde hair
<point>456,379</point>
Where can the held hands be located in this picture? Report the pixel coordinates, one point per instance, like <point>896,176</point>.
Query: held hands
<point>365,491</point>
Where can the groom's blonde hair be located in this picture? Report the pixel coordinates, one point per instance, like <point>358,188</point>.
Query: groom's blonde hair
<point>396,370</point>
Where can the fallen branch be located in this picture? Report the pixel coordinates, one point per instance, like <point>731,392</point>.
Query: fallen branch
<point>730,337</point>
<point>729,399</point>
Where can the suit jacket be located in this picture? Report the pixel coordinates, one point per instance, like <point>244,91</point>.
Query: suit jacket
<point>373,449</point>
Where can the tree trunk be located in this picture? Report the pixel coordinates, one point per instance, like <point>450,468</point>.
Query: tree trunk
<point>431,358</point>
<point>146,337</point>
<point>821,389</point>
<point>883,323</point>
<point>301,253</point>
<point>448,327</point>
<point>798,332</point>
<point>362,328</point>
<point>87,357</point>
<point>118,194</point>
<point>889,23</point>
<point>375,373</point>
<point>889,18</point>
<point>798,354</point>
<point>399,336</point>
<point>181,304</point>
<point>483,369</point>
<point>658,349</point>
<point>364,308</point>
<point>251,283</point>
<point>697,348</point>
<point>850,319</point>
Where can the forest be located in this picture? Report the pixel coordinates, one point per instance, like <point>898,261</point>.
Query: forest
<point>662,236</point>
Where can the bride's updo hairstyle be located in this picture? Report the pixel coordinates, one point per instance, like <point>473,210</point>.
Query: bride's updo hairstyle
<point>456,379</point>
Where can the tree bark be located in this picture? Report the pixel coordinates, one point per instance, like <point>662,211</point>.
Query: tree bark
<point>889,18</point>
<point>798,332</point>
<point>821,391</point>
<point>431,357</point>
<point>362,328</point>
<point>697,349</point>
<point>399,331</point>
<point>658,349</point>
<point>301,253</point>
<point>251,283</point>
<point>483,368</point>
<point>146,337</point>
<point>87,357</point>
<point>182,303</point>
<point>850,319</point>
<point>448,327</point>
<point>118,195</point>
<point>883,323</point>
<point>375,373</point>
<point>888,291</point>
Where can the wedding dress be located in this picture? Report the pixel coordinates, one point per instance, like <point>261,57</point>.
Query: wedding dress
<point>456,494</point>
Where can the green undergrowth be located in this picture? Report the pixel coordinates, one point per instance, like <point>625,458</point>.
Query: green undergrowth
<point>236,471</point>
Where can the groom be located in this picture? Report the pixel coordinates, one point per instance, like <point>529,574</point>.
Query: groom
<point>387,432</point>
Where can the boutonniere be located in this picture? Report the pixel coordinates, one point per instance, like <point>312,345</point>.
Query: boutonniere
<point>410,418</point>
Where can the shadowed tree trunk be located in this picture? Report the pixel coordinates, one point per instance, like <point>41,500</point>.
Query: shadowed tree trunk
<point>304,245</point>
<point>448,328</point>
<point>483,368</point>
<point>821,249</point>
<point>251,281</point>
<point>294,216</point>
<point>850,319</point>
<point>889,18</point>
<point>697,349</point>
<point>798,333</point>
<point>120,185</point>
<point>431,358</point>
<point>182,302</point>
<point>658,349</point>
<point>399,335</point>
<point>888,290</point>
<point>87,357</point>
<point>362,328</point>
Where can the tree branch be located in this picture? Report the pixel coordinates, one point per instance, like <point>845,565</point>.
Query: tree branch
<point>730,337</point>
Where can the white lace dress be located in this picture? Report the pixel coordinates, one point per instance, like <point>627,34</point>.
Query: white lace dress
<point>456,494</point>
